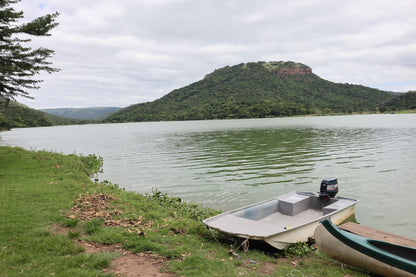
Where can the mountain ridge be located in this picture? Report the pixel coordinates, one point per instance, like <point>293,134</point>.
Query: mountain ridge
<point>246,90</point>
<point>92,113</point>
<point>253,90</point>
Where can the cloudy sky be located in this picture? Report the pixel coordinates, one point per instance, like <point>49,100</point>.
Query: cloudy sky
<point>118,53</point>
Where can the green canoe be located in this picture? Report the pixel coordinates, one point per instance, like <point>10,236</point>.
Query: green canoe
<point>373,255</point>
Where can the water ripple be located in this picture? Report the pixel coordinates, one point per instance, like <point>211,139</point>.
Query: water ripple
<point>229,163</point>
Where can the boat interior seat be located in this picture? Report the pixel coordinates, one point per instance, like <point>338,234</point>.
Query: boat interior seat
<point>339,204</point>
<point>294,204</point>
<point>244,227</point>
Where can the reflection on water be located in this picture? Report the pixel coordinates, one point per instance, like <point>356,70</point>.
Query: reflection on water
<point>229,163</point>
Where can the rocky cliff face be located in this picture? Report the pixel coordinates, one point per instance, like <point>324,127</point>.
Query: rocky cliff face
<point>292,71</point>
<point>287,69</point>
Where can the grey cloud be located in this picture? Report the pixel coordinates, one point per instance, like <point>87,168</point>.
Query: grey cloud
<point>117,53</point>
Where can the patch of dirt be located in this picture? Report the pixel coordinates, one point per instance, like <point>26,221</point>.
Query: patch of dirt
<point>267,268</point>
<point>141,264</point>
<point>59,230</point>
<point>130,264</point>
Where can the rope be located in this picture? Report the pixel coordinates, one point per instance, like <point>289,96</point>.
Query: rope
<point>245,245</point>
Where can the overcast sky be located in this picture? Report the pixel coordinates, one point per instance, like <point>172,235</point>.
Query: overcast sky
<point>118,53</point>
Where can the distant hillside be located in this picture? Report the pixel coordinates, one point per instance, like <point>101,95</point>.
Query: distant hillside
<point>403,101</point>
<point>253,90</point>
<point>16,115</point>
<point>82,113</point>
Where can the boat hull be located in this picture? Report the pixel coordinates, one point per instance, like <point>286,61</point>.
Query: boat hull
<point>363,257</point>
<point>283,220</point>
<point>303,233</point>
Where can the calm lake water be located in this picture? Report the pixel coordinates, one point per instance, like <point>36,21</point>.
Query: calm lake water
<point>225,164</point>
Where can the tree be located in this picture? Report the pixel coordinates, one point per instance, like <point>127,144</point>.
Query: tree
<point>19,64</point>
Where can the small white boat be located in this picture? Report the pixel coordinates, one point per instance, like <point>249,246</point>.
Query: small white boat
<point>286,219</point>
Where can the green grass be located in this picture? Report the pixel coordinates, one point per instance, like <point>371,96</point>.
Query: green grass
<point>40,190</point>
<point>35,188</point>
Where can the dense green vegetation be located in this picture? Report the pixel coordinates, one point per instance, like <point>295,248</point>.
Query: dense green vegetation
<point>82,113</point>
<point>14,115</point>
<point>49,206</point>
<point>255,90</point>
<point>17,115</point>
<point>405,101</point>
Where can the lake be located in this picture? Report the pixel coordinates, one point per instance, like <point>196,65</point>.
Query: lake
<point>225,164</point>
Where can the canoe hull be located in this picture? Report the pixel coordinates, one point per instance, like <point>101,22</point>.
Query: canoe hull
<point>341,251</point>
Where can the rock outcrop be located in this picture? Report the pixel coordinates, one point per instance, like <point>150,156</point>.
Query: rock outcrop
<point>292,71</point>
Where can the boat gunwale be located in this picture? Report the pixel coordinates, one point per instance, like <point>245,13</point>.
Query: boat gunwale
<point>315,220</point>
<point>364,246</point>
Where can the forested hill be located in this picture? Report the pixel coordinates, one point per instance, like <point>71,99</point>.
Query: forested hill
<point>15,115</point>
<point>253,90</point>
<point>82,113</point>
<point>403,101</point>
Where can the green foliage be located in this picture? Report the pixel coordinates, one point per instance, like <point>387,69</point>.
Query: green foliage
<point>299,249</point>
<point>92,163</point>
<point>15,115</point>
<point>255,90</point>
<point>404,101</point>
<point>4,124</point>
<point>184,209</point>
<point>73,234</point>
<point>69,222</point>
<point>19,64</point>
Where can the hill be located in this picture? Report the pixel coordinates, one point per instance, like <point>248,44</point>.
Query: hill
<point>403,101</point>
<point>82,113</point>
<point>16,115</point>
<point>254,90</point>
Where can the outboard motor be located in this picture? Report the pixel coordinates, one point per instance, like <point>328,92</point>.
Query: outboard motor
<point>329,188</point>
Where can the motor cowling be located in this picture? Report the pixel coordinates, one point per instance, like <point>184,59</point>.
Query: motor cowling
<point>329,188</point>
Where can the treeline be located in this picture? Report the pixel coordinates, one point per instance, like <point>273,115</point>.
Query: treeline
<point>222,110</point>
<point>255,90</point>
<point>16,115</point>
<point>96,113</point>
<point>405,101</point>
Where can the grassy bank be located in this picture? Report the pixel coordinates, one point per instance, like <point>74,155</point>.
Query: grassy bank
<point>48,204</point>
